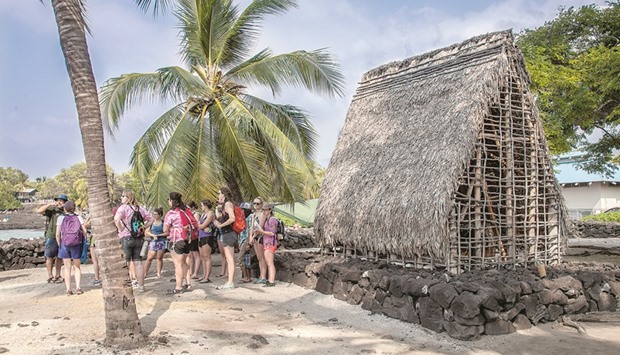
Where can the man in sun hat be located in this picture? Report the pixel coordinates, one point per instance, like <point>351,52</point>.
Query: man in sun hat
<point>51,211</point>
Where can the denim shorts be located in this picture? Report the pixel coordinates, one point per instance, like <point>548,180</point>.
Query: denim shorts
<point>51,248</point>
<point>131,248</point>
<point>73,252</point>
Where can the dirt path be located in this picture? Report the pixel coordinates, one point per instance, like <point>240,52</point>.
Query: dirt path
<point>38,318</point>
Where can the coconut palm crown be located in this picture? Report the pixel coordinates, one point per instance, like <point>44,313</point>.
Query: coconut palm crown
<point>217,132</point>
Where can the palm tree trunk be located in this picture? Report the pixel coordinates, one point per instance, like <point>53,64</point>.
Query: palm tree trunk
<point>121,317</point>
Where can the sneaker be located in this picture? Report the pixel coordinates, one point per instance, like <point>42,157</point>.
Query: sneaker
<point>96,282</point>
<point>141,289</point>
<point>260,281</point>
<point>269,284</point>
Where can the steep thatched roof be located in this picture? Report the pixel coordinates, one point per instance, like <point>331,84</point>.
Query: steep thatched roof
<point>409,133</point>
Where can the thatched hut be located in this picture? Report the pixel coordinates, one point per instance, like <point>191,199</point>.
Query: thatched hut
<point>443,161</point>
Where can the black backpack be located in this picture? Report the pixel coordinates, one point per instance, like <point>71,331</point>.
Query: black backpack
<point>281,232</point>
<point>136,223</point>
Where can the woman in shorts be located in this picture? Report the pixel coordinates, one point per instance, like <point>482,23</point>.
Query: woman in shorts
<point>157,246</point>
<point>268,229</point>
<point>206,239</point>
<point>175,228</point>
<point>256,240</point>
<point>70,254</point>
<point>225,217</point>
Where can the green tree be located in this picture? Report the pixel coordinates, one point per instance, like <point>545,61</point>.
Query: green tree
<point>574,63</point>
<point>15,178</point>
<point>8,201</point>
<point>217,132</point>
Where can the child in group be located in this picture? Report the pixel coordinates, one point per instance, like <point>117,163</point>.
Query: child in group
<point>70,232</point>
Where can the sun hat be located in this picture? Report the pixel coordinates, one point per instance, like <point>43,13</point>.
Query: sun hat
<point>62,197</point>
<point>245,206</point>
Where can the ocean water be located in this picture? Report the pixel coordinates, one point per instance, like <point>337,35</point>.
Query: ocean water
<point>21,233</point>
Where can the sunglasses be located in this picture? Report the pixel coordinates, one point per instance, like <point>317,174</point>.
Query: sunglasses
<point>257,203</point>
<point>123,195</point>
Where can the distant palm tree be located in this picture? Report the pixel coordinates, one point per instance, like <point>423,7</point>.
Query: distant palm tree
<point>217,132</point>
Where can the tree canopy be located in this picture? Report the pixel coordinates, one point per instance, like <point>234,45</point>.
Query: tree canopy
<point>574,63</point>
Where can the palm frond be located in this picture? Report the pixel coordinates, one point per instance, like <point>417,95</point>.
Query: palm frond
<point>293,121</point>
<point>120,93</point>
<point>148,150</point>
<point>316,71</point>
<point>242,36</point>
<point>159,6</point>
<point>173,169</point>
<point>238,150</point>
<point>286,161</point>
<point>202,24</point>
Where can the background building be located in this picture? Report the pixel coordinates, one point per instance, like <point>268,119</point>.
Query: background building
<point>586,193</point>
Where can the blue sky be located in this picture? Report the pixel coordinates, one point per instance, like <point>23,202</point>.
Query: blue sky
<point>39,132</point>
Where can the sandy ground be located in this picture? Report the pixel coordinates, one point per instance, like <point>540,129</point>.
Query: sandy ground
<point>38,318</point>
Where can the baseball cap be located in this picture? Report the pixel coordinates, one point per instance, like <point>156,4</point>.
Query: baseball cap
<point>62,197</point>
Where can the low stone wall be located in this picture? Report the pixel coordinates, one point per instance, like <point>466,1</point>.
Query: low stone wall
<point>466,306</point>
<point>298,238</point>
<point>595,229</point>
<point>21,254</point>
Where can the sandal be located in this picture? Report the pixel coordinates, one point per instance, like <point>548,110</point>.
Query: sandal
<point>59,279</point>
<point>50,280</point>
<point>174,291</point>
<point>194,277</point>
<point>78,291</point>
<point>245,281</point>
<point>204,281</point>
<point>187,288</point>
<point>69,292</point>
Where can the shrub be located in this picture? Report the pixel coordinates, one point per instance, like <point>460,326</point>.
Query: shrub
<point>603,217</point>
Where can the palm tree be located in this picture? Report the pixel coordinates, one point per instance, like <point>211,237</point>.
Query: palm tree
<point>217,132</point>
<point>122,323</point>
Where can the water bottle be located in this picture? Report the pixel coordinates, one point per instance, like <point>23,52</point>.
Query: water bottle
<point>145,248</point>
<point>247,260</point>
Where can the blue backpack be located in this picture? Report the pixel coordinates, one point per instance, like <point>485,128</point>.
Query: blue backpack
<point>71,231</point>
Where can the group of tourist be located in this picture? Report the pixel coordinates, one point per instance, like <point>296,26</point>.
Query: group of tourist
<point>191,236</point>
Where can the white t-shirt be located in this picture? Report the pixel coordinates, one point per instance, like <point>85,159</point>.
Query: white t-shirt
<point>61,217</point>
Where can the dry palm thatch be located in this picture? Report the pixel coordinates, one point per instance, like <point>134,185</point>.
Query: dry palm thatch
<point>443,161</point>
